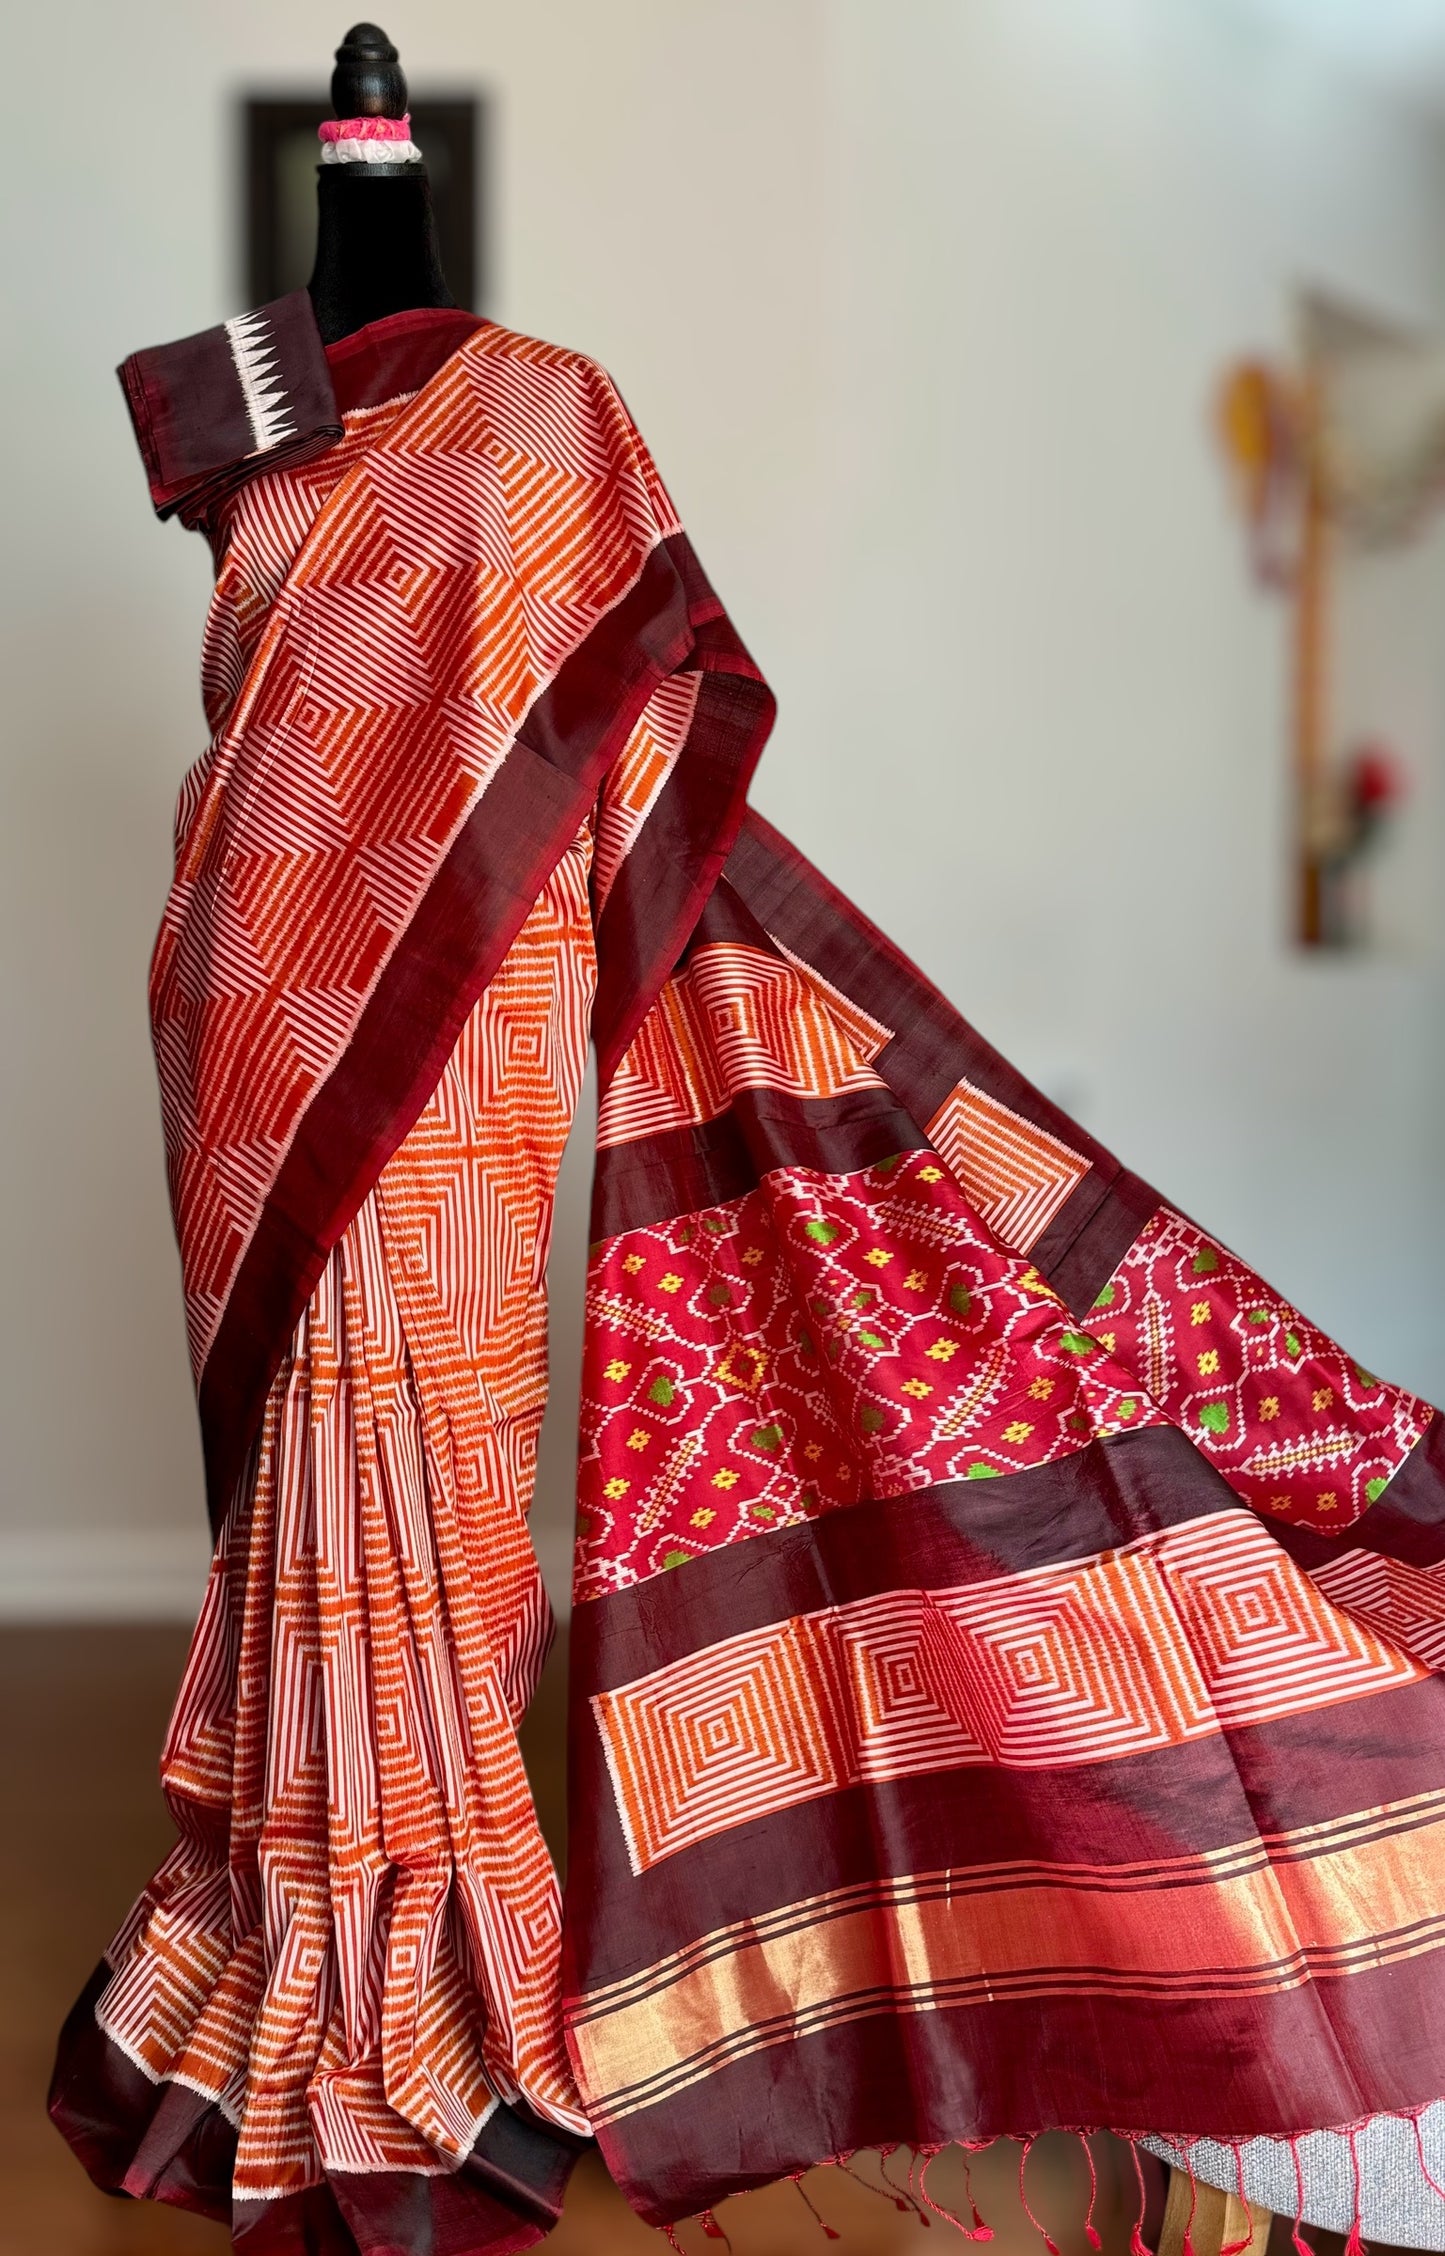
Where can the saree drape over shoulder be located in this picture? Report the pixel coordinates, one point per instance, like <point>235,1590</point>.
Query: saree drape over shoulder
<point>1004,1660</point>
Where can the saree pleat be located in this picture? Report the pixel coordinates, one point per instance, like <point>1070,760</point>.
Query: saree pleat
<point>353,1954</point>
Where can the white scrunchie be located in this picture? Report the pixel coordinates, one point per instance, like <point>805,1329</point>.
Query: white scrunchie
<point>370,152</point>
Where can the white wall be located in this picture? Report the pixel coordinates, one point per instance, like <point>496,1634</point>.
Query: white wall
<point>920,303</point>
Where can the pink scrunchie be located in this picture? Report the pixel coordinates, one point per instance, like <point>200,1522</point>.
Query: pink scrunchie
<point>365,129</point>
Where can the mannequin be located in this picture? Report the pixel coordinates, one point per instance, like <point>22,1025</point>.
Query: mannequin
<point>376,248</point>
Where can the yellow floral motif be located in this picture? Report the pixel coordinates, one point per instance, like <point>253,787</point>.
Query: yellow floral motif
<point>753,1256</point>
<point>878,1257</point>
<point>813,1451</point>
<point>930,1174</point>
<point>632,1262</point>
<point>615,1488</point>
<point>918,1388</point>
<point>1200,1312</point>
<point>638,1438</point>
<point>943,1351</point>
<point>616,1369</point>
<point>1322,1398</point>
<point>704,1517</point>
<point>1279,1504</point>
<point>1040,1390</point>
<point>1269,1408</point>
<point>1031,1281</point>
<point>1106,1341</point>
<point>916,1280</point>
<point>1327,1501</point>
<point>1019,1430</point>
<point>671,1282</point>
<point>1209,1363</point>
<point>724,1480</point>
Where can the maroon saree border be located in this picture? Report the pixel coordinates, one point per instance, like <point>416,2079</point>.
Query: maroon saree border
<point>665,884</point>
<point>970,2073</point>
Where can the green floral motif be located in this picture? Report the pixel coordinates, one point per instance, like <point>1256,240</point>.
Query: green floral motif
<point>960,1300</point>
<point>869,1418</point>
<point>663,1393</point>
<point>762,1512</point>
<point>805,1343</point>
<point>821,1233</point>
<point>1259,1317</point>
<point>1078,1343</point>
<point>714,1225</point>
<point>1105,1298</point>
<point>675,1558</point>
<point>1214,1417</point>
<point>1205,1262</point>
<point>1366,1378</point>
<point>983,1472</point>
<point>1291,1343</point>
<point>871,1339</point>
<point>1375,1489</point>
<point>767,1437</point>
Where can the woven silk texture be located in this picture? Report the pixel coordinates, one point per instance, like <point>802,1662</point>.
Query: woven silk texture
<point>1004,1658</point>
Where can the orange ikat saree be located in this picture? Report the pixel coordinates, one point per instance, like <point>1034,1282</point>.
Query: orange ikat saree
<point>1004,1653</point>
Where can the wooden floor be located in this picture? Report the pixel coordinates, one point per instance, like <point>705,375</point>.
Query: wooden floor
<point>82,1712</point>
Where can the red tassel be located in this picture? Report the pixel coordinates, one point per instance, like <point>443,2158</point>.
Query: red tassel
<point>828,2231</point>
<point>1091,2231</point>
<point>713,2229</point>
<point>1137,2243</point>
<point>900,2199</point>
<point>1237,2247</point>
<point>1050,2244</point>
<point>980,2231</point>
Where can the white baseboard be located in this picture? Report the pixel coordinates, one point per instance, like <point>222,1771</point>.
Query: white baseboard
<point>82,1574</point>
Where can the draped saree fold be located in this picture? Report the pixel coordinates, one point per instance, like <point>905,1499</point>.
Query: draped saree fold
<point>1004,1658</point>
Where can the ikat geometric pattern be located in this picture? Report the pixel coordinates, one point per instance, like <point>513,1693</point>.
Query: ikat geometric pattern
<point>1402,1603</point>
<point>354,1948</point>
<point>1296,1428</point>
<point>1015,1175</point>
<point>823,1339</point>
<point>1203,1628</point>
<point>736,1018</point>
<point>470,545</point>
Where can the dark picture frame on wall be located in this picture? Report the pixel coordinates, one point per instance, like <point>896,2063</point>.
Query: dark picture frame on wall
<point>280,157</point>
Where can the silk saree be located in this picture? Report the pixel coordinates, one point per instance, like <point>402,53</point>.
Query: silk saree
<point>1004,1657</point>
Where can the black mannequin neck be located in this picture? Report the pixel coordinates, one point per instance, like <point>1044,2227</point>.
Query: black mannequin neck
<point>376,247</point>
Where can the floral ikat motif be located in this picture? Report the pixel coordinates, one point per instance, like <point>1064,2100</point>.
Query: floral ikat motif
<point>1295,1427</point>
<point>823,1339</point>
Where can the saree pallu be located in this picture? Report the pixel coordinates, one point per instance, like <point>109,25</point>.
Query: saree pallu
<point>1003,1660</point>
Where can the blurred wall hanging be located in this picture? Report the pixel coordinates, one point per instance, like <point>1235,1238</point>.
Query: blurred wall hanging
<point>279,142</point>
<point>1336,460</point>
